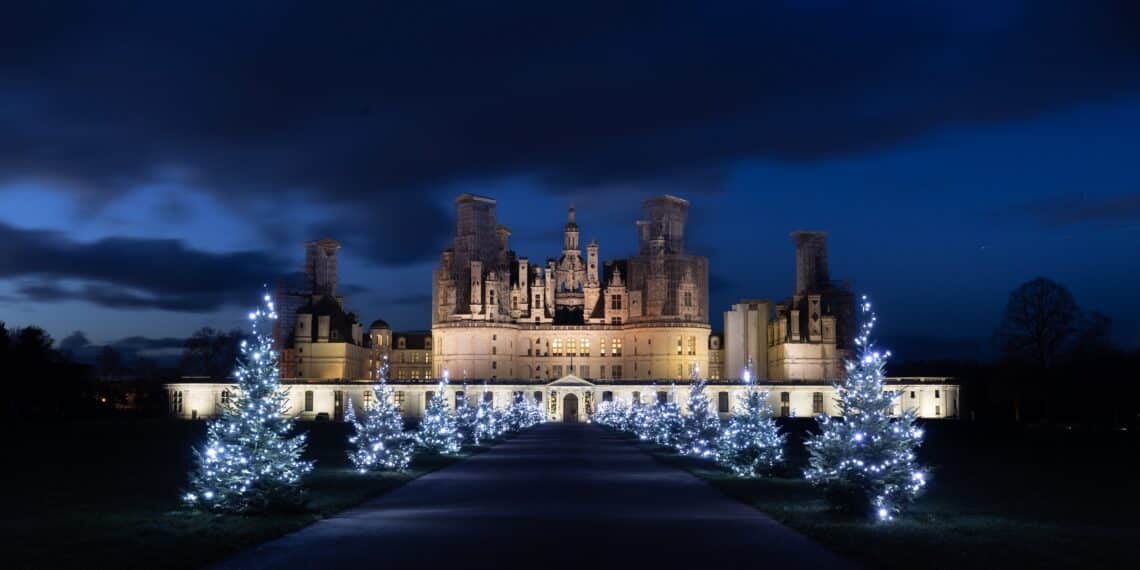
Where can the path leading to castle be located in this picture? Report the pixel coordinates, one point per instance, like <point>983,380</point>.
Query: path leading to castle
<point>555,496</point>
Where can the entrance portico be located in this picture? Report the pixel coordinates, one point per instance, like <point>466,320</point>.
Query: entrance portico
<point>570,399</point>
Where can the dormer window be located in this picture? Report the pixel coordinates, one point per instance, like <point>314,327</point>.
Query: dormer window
<point>402,343</point>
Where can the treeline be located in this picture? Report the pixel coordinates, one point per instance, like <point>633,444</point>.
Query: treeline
<point>43,380</point>
<point>1058,366</point>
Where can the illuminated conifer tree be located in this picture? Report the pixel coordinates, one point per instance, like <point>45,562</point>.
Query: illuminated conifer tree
<point>865,459</point>
<point>487,426</point>
<point>437,432</point>
<point>751,444</point>
<point>250,463</point>
<point>701,427</point>
<point>667,421</point>
<point>378,440</point>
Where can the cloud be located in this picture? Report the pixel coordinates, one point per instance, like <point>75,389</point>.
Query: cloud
<point>1076,209</point>
<point>131,273</point>
<point>375,110</point>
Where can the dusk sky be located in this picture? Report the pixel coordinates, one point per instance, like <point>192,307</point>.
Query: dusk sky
<point>158,163</point>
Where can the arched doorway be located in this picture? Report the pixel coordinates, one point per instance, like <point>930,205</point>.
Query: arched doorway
<point>570,408</point>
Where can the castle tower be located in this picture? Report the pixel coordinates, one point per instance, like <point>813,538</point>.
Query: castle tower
<point>320,266</point>
<point>811,261</point>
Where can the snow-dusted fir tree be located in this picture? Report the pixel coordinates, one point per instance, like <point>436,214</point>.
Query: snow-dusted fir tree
<point>378,440</point>
<point>250,463</point>
<point>751,444</point>
<point>518,413</point>
<point>437,432</point>
<point>486,421</point>
<point>702,426</point>
<point>865,459</point>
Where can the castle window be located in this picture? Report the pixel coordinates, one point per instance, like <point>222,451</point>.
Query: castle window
<point>692,346</point>
<point>494,365</point>
<point>817,402</point>
<point>678,350</point>
<point>679,369</point>
<point>308,400</point>
<point>557,370</point>
<point>785,404</point>
<point>937,394</point>
<point>584,371</point>
<point>514,302</point>
<point>427,343</point>
<point>494,337</point>
<point>225,397</point>
<point>538,397</point>
<point>459,399</point>
<point>366,398</point>
<point>602,373</point>
<point>616,347</point>
<point>607,396</point>
<point>636,398</point>
<point>489,397</point>
<point>572,346</point>
<point>615,302</point>
<point>176,402</point>
<point>335,334</point>
<point>912,395</point>
<point>494,350</point>
<point>400,400</point>
<point>556,347</point>
<point>615,372</point>
<point>402,343</point>
<point>688,299</point>
<point>662,397</point>
<point>602,347</point>
<point>415,374</point>
<point>584,347</point>
<point>722,402</point>
<point>615,321</point>
<point>938,410</point>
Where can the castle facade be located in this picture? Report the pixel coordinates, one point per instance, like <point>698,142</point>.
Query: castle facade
<point>570,331</point>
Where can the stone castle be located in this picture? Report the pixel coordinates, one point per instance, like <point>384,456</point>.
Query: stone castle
<point>571,331</point>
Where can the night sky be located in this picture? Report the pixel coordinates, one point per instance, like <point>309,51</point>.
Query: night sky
<point>157,164</point>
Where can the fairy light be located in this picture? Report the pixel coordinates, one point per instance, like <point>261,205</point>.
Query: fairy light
<point>751,443</point>
<point>250,462</point>
<point>865,458</point>
<point>438,432</point>
<point>378,441</point>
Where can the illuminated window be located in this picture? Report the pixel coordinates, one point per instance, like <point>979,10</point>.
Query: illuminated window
<point>678,350</point>
<point>616,347</point>
<point>584,347</point>
<point>399,395</point>
<point>572,346</point>
<point>556,347</point>
<point>692,346</point>
<point>367,399</point>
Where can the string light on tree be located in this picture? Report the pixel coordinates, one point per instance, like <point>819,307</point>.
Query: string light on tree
<point>865,459</point>
<point>250,463</point>
<point>437,432</point>
<point>378,440</point>
<point>751,444</point>
<point>701,427</point>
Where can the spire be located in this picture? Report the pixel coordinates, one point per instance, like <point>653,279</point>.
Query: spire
<point>570,218</point>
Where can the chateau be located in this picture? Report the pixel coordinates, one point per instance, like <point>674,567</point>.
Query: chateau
<point>571,331</point>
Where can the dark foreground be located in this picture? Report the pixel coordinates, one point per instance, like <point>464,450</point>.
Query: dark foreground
<point>556,496</point>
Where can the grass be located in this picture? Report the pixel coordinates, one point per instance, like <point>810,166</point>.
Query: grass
<point>998,498</point>
<point>106,494</point>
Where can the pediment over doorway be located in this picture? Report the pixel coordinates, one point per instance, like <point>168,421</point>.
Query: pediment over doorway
<point>571,380</point>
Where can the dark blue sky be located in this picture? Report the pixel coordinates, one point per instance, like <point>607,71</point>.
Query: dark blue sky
<point>158,163</point>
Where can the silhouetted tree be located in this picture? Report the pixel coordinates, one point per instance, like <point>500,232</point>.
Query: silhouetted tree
<point>1040,318</point>
<point>108,363</point>
<point>211,352</point>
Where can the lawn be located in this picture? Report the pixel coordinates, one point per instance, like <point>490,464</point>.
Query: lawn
<point>998,498</point>
<point>105,494</point>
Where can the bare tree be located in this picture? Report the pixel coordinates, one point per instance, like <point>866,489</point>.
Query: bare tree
<point>211,352</point>
<point>1040,319</point>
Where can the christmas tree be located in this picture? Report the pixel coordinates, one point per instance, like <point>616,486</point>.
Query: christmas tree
<point>437,431</point>
<point>378,440</point>
<point>517,412</point>
<point>864,459</point>
<point>667,421</point>
<point>466,420</point>
<point>701,427</point>
<point>536,415</point>
<point>249,462</point>
<point>751,444</point>
<point>487,425</point>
